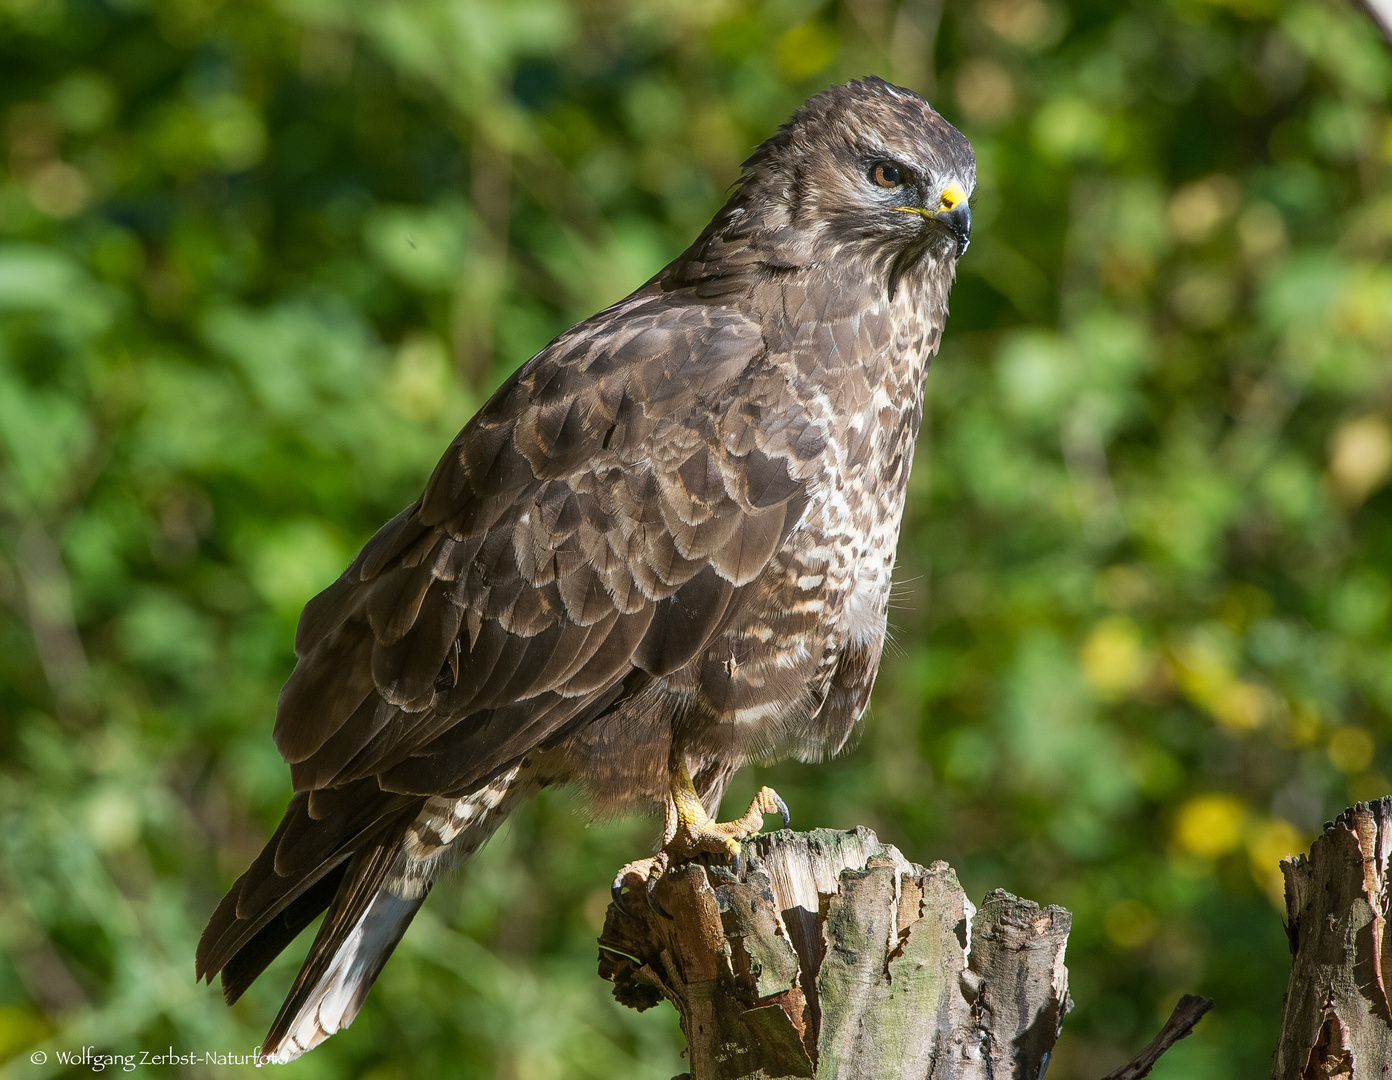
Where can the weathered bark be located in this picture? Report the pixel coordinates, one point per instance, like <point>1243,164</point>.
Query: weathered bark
<point>1337,1022</point>
<point>834,956</point>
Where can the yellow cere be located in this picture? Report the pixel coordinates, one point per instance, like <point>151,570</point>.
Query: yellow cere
<point>951,199</point>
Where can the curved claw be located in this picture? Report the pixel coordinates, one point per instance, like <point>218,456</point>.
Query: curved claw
<point>653,901</point>
<point>616,890</point>
<point>783,810</point>
<point>739,864</point>
<point>649,872</point>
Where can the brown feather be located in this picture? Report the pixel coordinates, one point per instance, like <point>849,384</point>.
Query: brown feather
<point>668,538</point>
<point>683,623</point>
<point>394,600</point>
<point>387,544</point>
<point>324,690</point>
<point>405,670</point>
<point>327,764</point>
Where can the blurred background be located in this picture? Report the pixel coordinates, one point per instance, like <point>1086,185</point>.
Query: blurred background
<point>260,260</point>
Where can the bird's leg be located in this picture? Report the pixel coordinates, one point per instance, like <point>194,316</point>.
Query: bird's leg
<point>696,832</point>
<point>688,830</point>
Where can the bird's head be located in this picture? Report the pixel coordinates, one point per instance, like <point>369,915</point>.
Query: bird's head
<point>871,165</point>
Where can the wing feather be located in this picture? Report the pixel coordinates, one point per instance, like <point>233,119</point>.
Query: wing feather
<point>601,519</point>
<point>405,670</point>
<point>324,690</point>
<point>577,645</point>
<point>327,765</point>
<point>394,602</point>
<point>683,623</point>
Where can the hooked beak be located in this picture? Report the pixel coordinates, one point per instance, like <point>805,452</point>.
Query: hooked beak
<point>954,212</point>
<point>958,222</point>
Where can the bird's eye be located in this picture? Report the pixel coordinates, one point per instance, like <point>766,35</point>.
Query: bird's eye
<point>886,174</point>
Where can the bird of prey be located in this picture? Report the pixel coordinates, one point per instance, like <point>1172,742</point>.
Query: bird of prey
<point>661,549</point>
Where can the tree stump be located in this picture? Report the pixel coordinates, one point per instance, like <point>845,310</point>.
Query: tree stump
<point>831,955</point>
<point>1337,1020</point>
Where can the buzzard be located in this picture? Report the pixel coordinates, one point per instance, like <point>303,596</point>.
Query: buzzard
<point>661,549</point>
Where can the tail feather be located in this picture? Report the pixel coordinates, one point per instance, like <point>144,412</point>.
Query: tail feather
<point>255,954</point>
<point>364,924</point>
<point>368,857</point>
<point>282,887</point>
<point>333,1002</point>
<point>251,906</point>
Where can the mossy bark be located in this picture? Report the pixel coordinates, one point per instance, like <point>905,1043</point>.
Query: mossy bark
<point>834,956</point>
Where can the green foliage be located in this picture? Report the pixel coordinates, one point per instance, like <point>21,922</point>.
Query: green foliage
<point>259,261</point>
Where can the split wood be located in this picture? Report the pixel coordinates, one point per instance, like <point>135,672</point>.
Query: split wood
<point>834,956</point>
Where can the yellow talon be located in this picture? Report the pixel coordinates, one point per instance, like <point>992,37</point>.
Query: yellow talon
<point>690,829</point>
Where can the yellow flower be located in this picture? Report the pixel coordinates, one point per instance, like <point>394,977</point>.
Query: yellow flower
<point>1360,457</point>
<point>1351,749</point>
<point>1267,844</point>
<point>1210,825</point>
<point>1243,705</point>
<point>1112,659</point>
<point>1129,923</point>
